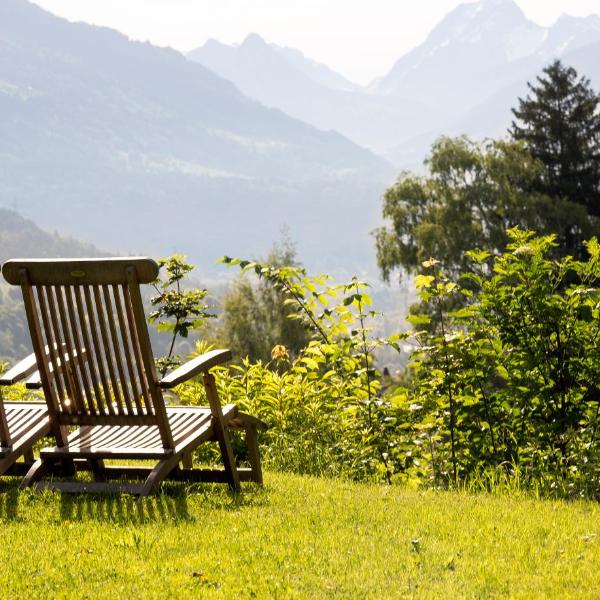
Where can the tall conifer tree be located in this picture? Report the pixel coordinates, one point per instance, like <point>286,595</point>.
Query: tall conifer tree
<point>559,122</point>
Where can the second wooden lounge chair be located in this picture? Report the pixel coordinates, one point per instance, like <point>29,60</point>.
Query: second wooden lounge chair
<point>22,424</point>
<point>109,391</point>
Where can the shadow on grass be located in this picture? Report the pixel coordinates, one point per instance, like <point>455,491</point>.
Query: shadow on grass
<point>172,504</point>
<point>9,502</point>
<point>162,508</point>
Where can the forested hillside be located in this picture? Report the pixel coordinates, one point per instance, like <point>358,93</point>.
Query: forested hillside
<point>104,139</point>
<point>22,238</point>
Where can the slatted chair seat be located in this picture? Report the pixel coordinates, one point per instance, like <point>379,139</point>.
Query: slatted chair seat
<point>113,441</point>
<point>22,417</point>
<point>22,424</point>
<point>27,422</point>
<point>97,370</point>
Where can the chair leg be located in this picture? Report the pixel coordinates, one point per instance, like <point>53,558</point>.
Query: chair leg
<point>159,474</point>
<point>187,460</point>
<point>39,468</point>
<point>96,466</point>
<point>253,452</point>
<point>221,432</point>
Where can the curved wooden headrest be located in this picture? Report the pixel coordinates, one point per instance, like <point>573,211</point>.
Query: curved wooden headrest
<point>79,271</point>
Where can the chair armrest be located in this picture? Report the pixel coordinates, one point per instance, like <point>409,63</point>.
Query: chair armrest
<point>193,367</point>
<point>20,371</point>
<point>27,369</point>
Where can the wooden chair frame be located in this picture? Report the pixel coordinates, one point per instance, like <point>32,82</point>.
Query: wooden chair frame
<point>97,371</point>
<point>22,424</point>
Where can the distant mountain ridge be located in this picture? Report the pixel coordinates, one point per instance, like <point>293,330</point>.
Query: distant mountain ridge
<point>482,86</point>
<point>283,78</point>
<point>474,63</point>
<point>475,45</point>
<point>137,149</point>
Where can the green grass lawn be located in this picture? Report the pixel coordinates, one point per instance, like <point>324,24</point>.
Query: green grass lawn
<point>297,537</point>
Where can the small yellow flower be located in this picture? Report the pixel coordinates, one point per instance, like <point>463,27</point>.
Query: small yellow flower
<point>279,353</point>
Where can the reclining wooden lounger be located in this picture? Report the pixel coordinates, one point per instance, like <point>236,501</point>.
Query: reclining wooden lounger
<point>109,389</point>
<point>22,424</point>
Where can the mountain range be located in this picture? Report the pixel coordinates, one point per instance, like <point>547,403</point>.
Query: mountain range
<point>137,149</point>
<point>463,78</point>
<point>286,79</point>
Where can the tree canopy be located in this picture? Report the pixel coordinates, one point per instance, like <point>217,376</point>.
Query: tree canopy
<point>255,317</point>
<point>471,196</point>
<point>559,122</point>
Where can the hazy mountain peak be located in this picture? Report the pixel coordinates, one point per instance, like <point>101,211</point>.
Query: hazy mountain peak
<point>213,43</point>
<point>469,22</point>
<point>255,53</point>
<point>570,33</point>
<point>254,40</point>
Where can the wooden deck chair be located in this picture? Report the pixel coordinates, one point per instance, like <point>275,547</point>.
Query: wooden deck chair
<point>22,424</point>
<point>111,405</point>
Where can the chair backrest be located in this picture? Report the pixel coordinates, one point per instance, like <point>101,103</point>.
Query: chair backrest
<point>91,309</point>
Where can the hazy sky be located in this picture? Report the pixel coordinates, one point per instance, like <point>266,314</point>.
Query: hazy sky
<point>359,38</point>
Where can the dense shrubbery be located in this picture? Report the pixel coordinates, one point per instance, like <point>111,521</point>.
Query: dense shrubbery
<point>323,405</point>
<point>509,382</point>
<point>504,388</point>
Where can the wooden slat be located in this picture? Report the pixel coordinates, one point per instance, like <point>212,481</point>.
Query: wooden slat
<point>5,439</point>
<point>127,347</point>
<point>20,371</point>
<point>51,345</point>
<point>70,365</point>
<point>137,353</point>
<point>108,351</point>
<point>92,323</point>
<point>118,437</point>
<point>116,344</point>
<point>23,445</point>
<point>37,341</point>
<point>26,422</point>
<point>67,419</point>
<point>129,453</point>
<point>81,354</point>
<point>93,368</point>
<point>199,364</point>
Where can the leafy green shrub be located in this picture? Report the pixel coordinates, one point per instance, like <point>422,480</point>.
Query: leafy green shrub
<point>177,311</point>
<point>324,406</point>
<point>501,391</point>
<point>510,381</point>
